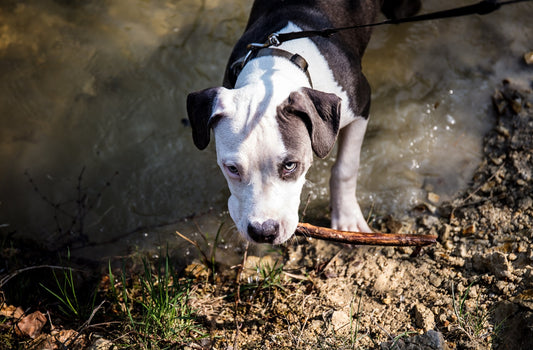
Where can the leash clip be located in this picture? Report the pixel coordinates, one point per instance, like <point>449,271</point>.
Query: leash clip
<point>272,40</point>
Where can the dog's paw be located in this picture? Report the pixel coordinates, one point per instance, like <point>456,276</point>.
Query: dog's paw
<point>351,219</point>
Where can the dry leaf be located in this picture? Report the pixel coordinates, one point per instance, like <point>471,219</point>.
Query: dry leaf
<point>11,311</point>
<point>31,324</point>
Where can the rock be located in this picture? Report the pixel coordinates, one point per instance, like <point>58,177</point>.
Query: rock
<point>424,318</point>
<point>528,57</point>
<point>340,322</point>
<point>101,344</point>
<point>254,264</point>
<point>470,229</point>
<point>432,340</point>
<point>525,299</point>
<point>435,280</point>
<point>445,233</point>
<point>429,221</point>
<point>495,262</point>
<point>433,197</point>
<point>197,270</point>
<point>515,325</point>
<point>528,277</point>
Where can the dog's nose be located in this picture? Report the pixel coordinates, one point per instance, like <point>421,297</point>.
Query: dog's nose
<point>265,232</point>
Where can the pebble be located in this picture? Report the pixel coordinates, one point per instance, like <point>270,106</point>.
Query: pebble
<point>340,321</point>
<point>432,340</point>
<point>424,317</point>
<point>448,245</point>
<point>495,262</point>
<point>433,197</point>
<point>470,229</point>
<point>435,280</point>
<point>101,344</point>
<point>528,57</point>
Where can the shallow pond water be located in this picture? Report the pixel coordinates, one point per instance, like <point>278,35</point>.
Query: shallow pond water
<point>92,103</point>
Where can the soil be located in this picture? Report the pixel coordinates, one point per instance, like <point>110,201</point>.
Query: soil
<point>471,290</point>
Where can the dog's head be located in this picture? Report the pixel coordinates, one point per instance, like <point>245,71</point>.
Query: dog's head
<point>265,140</point>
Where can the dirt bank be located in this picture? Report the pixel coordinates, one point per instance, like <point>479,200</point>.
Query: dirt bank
<point>474,289</point>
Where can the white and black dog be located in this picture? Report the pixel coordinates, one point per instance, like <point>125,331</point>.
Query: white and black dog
<point>280,105</point>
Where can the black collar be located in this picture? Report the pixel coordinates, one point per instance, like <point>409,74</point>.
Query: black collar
<point>298,60</point>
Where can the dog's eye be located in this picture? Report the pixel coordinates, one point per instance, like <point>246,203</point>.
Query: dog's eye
<point>289,167</point>
<point>232,171</point>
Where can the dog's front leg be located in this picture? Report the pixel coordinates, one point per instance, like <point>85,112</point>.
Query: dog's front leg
<point>345,211</point>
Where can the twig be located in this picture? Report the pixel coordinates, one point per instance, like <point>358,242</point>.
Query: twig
<point>88,322</point>
<point>5,279</point>
<point>363,238</point>
<point>194,243</point>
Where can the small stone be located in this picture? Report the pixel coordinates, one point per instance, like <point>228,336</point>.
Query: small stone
<point>516,104</point>
<point>444,233</point>
<point>340,321</point>
<point>430,221</point>
<point>388,251</point>
<point>435,280</point>
<point>495,262</point>
<point>528,57</point>
<point>499,265</point>
<point>497,161</point>
<point>528,277</point>
<point>470,229</point>
<point>502,130</point>
<point>432,340</point>
<point>424,318</point>
<point>406,250</point>
<point>197,270</point>
<point>101,344</point>
<point>433,197</point>
<point>448,245</point>
<point>462,251</point>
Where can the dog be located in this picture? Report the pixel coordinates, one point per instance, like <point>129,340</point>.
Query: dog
<point>278,107</point>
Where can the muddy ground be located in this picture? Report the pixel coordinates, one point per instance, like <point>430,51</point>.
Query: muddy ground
<point>471,290</point>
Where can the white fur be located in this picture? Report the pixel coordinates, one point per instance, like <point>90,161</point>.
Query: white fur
<point>248,137</point>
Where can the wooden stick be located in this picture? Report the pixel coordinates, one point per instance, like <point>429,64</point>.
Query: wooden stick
<point>362,238</point>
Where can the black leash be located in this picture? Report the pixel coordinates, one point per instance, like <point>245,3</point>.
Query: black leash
<point>276,39</point>
<point>481,8</point>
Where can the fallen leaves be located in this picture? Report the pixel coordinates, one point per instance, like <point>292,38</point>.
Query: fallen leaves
<point>31,325</point>
<point>25,325</point>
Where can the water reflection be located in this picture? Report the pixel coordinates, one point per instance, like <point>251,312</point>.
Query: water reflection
<point>101,86</point>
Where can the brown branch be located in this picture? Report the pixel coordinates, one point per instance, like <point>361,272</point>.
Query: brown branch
<point>363,238</point>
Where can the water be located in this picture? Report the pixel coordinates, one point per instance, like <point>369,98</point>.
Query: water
<point>89,89</point>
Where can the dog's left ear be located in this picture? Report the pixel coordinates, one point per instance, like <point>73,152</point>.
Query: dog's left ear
<point>202,115</point>
<point>320,112</point>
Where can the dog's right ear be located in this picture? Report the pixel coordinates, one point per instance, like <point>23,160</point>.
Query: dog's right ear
<point>202,112</point>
